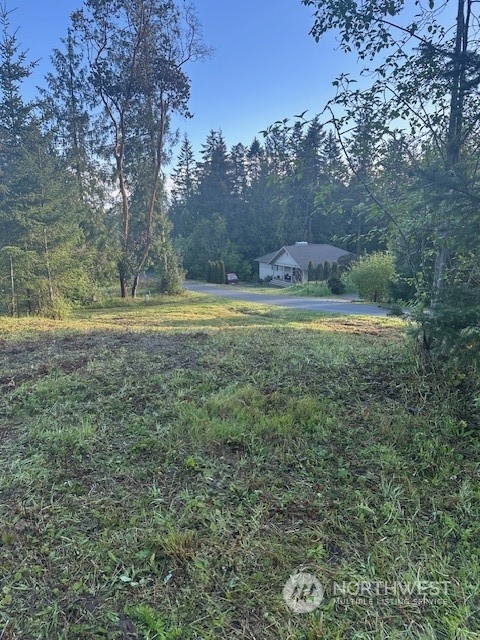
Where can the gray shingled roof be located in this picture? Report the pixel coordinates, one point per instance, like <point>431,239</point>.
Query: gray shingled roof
<point>302,254</point>
<point>267,258</point>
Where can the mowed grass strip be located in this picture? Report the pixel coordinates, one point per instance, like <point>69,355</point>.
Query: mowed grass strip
<point>167,466</point>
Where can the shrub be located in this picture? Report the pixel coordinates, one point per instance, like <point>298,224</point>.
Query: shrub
<point>395,310</point>
<point>326,270</point>
<point>335,285</point>
<point>372,275</point>
<point>209,271</point>
<point>222,275</point>
<point>172,275</point>
<point>449,337</point>
<point>314,289</point>
<point>216,272</point>
<point>58,309</point>
<point>401,289</point>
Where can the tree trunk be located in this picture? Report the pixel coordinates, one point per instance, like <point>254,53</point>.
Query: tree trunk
<point>12,285</point>
<point>125,222</point>
<point>454,135</point>
<point>122,276</point>
<point>155,185</point>
<point>439,271</point>
<point>123,287</point>
<point>51,293</point>
<point>136,280</point>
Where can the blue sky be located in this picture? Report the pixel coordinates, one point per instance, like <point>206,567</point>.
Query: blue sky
<point>265,65</point>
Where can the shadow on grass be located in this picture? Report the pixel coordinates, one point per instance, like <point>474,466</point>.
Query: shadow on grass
<point>166,468</point>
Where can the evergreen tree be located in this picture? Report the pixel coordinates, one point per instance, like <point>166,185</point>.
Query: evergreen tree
<point>264,218</point>
<point>66,113</point>
<point>363,150</point>
<point>66,107</point>
<point>326,270</point>
<point>214,177</point>
<point>333,161</point>
<point>15,114</point>
<point>239,169</point>
<point>182,208</point>
<point>306,178</point>
<point>41,240</point>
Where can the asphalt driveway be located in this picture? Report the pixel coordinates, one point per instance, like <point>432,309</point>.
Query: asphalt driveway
<point>345,304</point>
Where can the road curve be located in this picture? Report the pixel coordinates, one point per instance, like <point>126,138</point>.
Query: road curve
<point>345,306</point>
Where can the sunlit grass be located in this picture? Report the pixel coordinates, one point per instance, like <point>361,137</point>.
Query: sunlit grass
<point>190,312</point>
<point>167,465</point>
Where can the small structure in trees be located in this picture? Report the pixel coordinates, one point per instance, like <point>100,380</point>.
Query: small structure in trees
<point>292,263</point>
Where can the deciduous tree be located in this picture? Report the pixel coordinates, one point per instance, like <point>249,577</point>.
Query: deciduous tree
<point>423,62</point>
<point>136,54</point>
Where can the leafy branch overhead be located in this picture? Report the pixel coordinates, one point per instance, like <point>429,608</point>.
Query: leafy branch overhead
<point>418,87</point>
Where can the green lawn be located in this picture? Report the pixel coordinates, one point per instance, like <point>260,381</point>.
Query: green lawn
<point>167,466</point>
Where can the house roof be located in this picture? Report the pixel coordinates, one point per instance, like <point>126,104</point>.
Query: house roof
<point>303,253</point>
<point>267,258</point>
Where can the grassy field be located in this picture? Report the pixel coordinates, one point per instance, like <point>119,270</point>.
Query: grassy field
<point>167,466</point>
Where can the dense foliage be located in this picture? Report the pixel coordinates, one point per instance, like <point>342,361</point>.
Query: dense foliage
<point>421,101</point>
<point>294,185</point>
<point>372,275</point>
<point>82,186</point>
<point>45,260</point>
<point>389,165</point>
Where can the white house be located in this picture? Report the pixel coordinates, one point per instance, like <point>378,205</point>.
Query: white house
<point>290,263</point>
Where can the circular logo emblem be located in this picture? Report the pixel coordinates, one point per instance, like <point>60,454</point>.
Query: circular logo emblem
<point>303,592</point>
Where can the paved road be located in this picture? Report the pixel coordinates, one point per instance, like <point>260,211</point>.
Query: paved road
<point>345,305</point>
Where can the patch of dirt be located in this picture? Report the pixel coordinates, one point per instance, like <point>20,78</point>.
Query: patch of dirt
<point>30,360</point>
<point>127,628</point>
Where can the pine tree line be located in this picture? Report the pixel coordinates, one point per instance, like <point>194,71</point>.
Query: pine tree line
<point>240,204</point>
<point>82,198</point>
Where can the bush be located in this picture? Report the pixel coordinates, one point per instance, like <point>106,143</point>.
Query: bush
<point>335,285</point>
<point>171,275</point>
<point>222,274</point>
<point>395,310</point>
<point>216,272</point>
<point>449,337</point>
<point>58,309</point>
<point>401,289</point>
<point>372,275</point>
